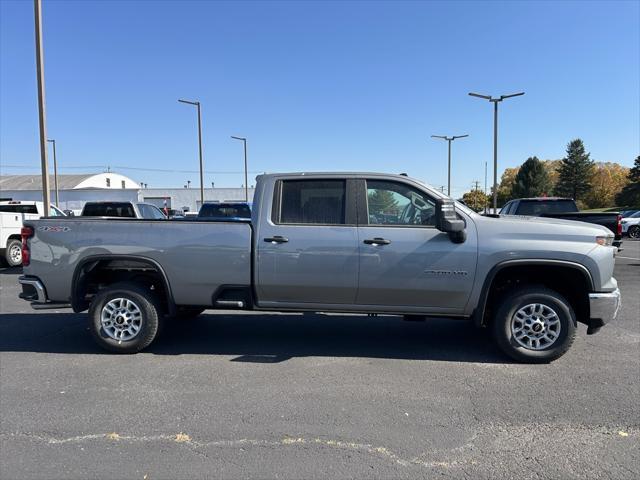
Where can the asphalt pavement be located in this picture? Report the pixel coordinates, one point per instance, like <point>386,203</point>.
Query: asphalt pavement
<point>249,395</point>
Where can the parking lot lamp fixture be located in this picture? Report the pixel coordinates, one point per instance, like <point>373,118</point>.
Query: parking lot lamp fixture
<point>197,104</point>
<point>246,183</point>
<point>449,140</point>
<point>495,101</point>
<point>55,171</point>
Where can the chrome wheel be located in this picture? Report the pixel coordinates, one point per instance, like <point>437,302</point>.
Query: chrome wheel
<point>121,319</point>
<point>15,254</point>
<point>535,326</point>
<point>634,231</point>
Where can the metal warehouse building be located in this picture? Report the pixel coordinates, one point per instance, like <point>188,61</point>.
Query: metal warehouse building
<point>75,190</point>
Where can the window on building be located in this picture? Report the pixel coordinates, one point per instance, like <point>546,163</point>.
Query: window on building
<point>123,184</point>
<point>108,182</point>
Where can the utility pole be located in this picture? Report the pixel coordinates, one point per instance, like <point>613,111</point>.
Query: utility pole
<point>246,182</point>
<point>475,197</point>
<point>449,140</point>
<point>197,104</point>
<point>485,187</point>
<point>55,171</point>
<point>495,101</point>
<point>42,117</point>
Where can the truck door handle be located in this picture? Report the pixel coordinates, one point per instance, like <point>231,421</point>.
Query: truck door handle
<point>276,239</point>
<point>377,241</point>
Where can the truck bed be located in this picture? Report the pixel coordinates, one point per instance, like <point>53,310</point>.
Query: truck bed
<point>196,257</point>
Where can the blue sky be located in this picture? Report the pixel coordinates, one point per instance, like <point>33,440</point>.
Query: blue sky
<point>318,86</point>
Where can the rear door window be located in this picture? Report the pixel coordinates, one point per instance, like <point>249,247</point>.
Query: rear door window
<point>109,210</point>
<point>312,202</point>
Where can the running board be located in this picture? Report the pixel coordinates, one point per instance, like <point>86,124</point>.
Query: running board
<point>49,306</point>
<point>230,303</point>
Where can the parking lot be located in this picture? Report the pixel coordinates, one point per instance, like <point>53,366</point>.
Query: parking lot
<point>302,396</point>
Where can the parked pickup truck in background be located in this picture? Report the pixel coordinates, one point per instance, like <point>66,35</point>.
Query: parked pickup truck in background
<point>12,214</point>
<point>122,210</point>
<point>566,209</point>
<point>362,243</point>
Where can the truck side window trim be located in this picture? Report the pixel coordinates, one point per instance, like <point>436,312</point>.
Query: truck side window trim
<point>349,203</point>
<point>363,205</point>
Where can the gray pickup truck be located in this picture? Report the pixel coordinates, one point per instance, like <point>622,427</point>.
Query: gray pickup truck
<point>356,242</point>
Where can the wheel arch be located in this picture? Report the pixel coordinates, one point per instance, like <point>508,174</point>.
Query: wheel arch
<point>506,267</point>
<point>131,263</point>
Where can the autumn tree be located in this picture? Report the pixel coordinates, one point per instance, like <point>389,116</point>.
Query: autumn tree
<point>531,180</point>
<point>505,187</point>
<point>630,194</point>
<point>476,199</point>
<point>607,181</point>
<point>575,172</point>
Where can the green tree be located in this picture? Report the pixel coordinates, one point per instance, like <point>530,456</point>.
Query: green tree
<point>629,196</point>
<point>382,202</point>
<point>532,180</point>
<point>575,172</point>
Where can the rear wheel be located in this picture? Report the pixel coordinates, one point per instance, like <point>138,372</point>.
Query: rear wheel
<point>534,325</point>
<point>13,253</point>
<point>125,318</point>
<point>634,231</point>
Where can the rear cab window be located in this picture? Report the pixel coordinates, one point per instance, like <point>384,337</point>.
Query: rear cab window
<point>18,208</point>
<point>540,207</point>
<point>224,210</point>
<point>108,210</point>
<point>310,202</point>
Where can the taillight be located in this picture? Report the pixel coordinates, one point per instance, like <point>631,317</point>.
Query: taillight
<point>619,229</point>
<point>26,233</point>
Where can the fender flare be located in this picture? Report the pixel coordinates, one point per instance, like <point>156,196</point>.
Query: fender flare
<point>478,314</point>
<point>77,303</point>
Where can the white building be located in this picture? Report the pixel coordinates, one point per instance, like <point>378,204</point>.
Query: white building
<point>75,190</point>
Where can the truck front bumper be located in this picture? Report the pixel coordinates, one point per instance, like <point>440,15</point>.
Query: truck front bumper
<point>604,307</point>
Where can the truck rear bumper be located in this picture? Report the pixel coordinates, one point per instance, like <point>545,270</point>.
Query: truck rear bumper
<point>32,290</point>
<point>604,308</point>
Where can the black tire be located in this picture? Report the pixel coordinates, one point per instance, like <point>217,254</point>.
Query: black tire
<point>10,256</point>
<point>150,323</point>
<point>521,297</point>
<point>634,231</point>
<point>187,313</point>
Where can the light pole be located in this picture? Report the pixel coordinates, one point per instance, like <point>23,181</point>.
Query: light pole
<point>495,101</point>
<point>246,184</point>
<point>449,140</point>
<point>55,171</point>
<point>42,116</point>
<point>197,104</point>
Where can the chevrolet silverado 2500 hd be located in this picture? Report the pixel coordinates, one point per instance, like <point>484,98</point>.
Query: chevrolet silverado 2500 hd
<point>357,242</point>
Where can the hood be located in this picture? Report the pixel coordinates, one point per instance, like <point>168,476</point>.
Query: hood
<point>541,228</point>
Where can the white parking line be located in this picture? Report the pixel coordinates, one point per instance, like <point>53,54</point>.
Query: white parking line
<point>627,258</point>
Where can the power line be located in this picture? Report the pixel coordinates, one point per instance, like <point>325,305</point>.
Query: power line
<point>121,167</point>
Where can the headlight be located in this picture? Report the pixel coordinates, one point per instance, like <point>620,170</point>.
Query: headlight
<point>605,241</point>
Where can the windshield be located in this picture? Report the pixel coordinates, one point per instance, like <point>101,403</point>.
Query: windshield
<point>225,210</point>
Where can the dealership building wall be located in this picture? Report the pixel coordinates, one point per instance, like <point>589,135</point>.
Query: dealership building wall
<point>75,190</point>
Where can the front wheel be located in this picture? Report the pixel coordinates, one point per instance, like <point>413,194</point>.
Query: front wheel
<point>534,325</point>
<point>124,318</point>
<point>13,253</point>
<point>634,231</point>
